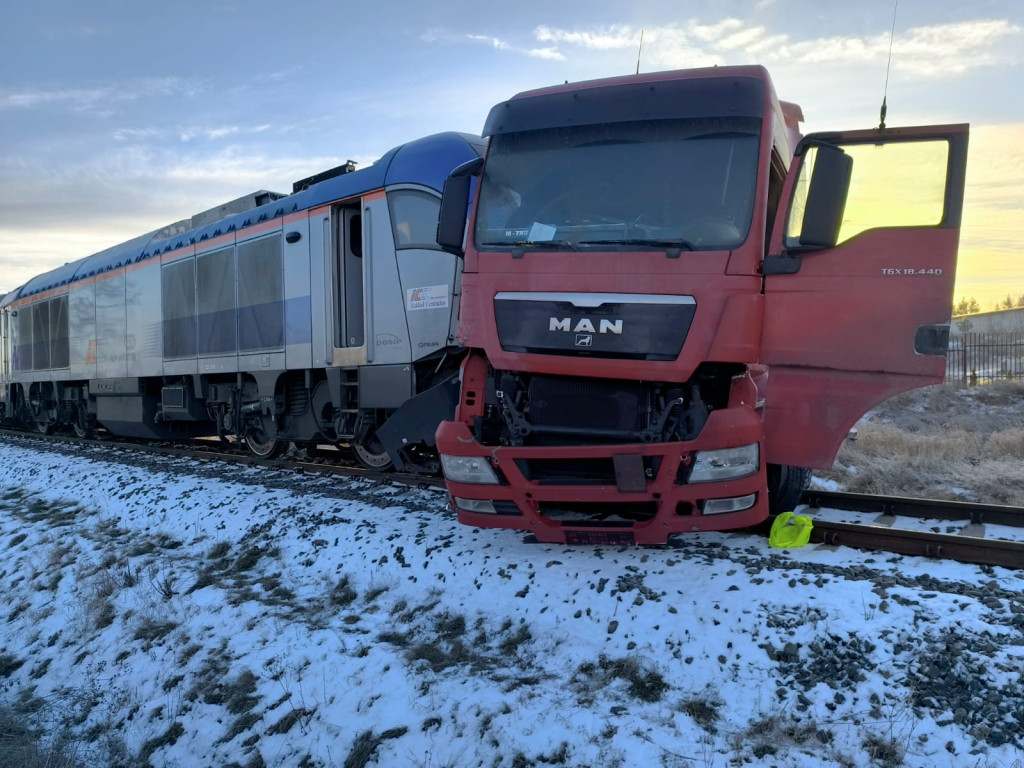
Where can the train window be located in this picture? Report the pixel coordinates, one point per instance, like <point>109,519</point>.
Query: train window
<point>40,336</point>
<point>59,356</point>
<point>215,278</point>
<point>414,218</point>
<point>260,295</point>
<point>178,283</point>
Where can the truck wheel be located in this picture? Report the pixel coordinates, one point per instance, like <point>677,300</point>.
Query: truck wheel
<point>785,486</point>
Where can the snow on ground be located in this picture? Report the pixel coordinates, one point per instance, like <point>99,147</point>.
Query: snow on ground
<point>179,613</point>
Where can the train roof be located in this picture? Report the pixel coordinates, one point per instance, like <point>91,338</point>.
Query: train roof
<point>426,161</point>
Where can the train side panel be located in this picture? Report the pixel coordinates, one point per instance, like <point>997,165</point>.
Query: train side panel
<point>427,274</point>
<point>82,331</point>
<point>177,279</point>
<point>217,336</point>
<point>320,286</point>
<point>428,280</point>
<point>111,327</point>
<point>143,342</point>
<point>298,317</point>
<point>387,332</point>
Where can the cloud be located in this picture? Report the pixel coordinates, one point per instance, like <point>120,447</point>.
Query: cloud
<point>498,45</point>
<point>137,134</point>
<point>76,31</point>
<point>447,37</point>
<point>607,39</point>
<point>921,52</point>
<point>99,98</point>
<point>209,133</point>
<point>545,53</point>
<point>191,133</point>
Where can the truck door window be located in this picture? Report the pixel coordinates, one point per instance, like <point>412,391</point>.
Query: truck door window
<point>896,184</point>
<point>776,180</point>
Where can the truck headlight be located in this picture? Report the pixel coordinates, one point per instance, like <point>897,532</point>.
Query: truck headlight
<point>468,469</point>
<point>724,464</point>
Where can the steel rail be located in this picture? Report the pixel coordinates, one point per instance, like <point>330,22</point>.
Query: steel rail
<point>963,549</point>
<point>932,509</point>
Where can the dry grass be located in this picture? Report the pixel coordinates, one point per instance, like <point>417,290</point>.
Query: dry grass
<point>940,442</point>
<point>22,746</point>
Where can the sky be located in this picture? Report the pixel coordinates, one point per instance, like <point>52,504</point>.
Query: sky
<point>119,118</point>
<point>204,615</point>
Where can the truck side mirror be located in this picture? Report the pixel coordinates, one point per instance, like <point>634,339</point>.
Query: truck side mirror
<point>451,221</point>
<point>826,197</point>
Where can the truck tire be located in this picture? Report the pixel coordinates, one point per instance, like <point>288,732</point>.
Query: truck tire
<point>785,486</point>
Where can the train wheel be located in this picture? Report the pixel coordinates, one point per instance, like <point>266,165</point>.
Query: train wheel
<point>263,447</point>
<point>44,427</point>
<point>82,426</point>
<point>371,454</point>
<point>785,486</point>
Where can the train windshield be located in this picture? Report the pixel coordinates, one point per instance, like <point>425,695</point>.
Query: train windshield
<point>687,183</point>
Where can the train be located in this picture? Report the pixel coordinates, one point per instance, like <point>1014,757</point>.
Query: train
<point>327,315</point>
<point>674,305</point>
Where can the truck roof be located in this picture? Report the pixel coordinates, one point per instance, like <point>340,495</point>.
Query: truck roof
<point>747,70</point>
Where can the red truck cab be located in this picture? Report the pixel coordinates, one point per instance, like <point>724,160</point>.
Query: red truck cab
<point>672,312</point>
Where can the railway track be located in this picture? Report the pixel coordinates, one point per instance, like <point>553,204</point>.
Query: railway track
<point>877,533</point>
<point>323,462</point>
<point>970,545</point>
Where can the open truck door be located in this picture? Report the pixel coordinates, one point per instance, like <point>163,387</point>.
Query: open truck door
<point>858,282</point>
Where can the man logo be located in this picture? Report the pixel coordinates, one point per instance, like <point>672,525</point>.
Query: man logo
<point>585,325</point>
<point>584,340</point>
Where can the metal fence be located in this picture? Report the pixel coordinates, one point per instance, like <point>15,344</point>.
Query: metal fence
<point>979,358</point>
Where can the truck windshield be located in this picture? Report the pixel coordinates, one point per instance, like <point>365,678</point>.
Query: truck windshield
<point>685,183</point>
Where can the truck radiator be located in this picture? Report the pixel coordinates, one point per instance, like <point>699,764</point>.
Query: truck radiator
<point>611,406</point>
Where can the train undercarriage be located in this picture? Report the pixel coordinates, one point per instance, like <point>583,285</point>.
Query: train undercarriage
<point>264,411</point>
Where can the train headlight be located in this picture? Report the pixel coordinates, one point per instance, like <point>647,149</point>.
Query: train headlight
<point>725,464</point>
<point>468,469</point>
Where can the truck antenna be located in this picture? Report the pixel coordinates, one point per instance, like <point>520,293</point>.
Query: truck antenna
<point>885,90</point>
<point>638,51</point>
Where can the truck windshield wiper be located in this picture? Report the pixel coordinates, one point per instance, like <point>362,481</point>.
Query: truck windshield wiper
<point>520,245</point>
<point>545,244</point>
<point>684,245</point>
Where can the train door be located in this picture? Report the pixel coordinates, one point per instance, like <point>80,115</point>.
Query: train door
<point>859,281</point>
<point>349,324</point>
